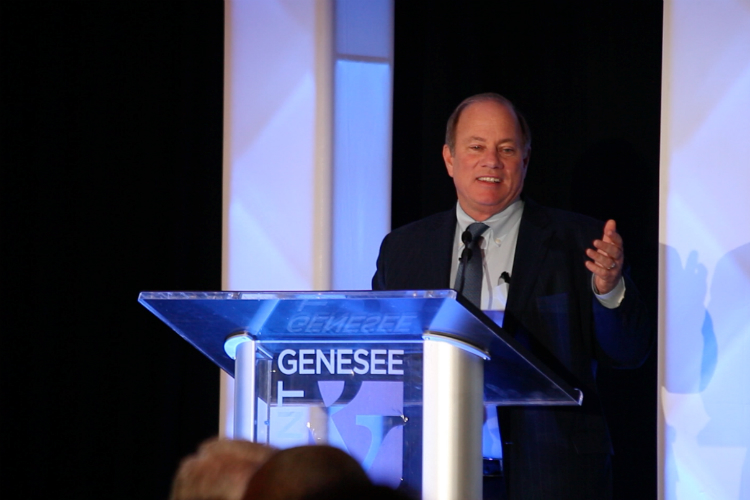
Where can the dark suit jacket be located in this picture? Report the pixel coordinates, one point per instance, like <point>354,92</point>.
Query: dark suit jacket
<point>549,452</point>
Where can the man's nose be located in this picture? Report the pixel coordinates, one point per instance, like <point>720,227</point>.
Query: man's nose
<point>492,158</point>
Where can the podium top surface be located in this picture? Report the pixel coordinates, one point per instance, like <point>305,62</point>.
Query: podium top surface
<point>208,319</point>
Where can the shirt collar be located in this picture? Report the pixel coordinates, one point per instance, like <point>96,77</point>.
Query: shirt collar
<point>499,224</point>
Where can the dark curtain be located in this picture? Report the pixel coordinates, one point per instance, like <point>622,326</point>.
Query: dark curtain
<point>111,184</point>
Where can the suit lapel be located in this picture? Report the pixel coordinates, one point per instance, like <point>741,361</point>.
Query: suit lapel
<point>439,262</point>
<point>531,249</point>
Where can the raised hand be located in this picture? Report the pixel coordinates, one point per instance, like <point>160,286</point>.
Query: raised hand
<point>606,259</point>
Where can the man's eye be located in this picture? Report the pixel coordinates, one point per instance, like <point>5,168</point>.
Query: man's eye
<point>507,151</point>
<point>475,147</point>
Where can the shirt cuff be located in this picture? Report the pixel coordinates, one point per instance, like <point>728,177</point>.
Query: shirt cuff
<point>612,299</point>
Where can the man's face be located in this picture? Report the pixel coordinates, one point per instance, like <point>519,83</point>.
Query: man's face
<point>488,165</point>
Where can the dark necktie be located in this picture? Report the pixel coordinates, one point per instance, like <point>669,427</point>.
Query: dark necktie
<point>469,276</point>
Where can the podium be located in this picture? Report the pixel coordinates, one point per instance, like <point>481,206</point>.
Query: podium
<point>398,379</point>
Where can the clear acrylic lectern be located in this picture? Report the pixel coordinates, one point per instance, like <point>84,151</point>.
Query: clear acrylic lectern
<point>398,379</point>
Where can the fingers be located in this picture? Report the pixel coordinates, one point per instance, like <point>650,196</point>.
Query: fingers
<point>605,279</point>
<point>607,258</point>
<point>610,246</point>
<point>612,250</point>
<point>601,273</point>
<point>604,260</point>
<point>610,233</point>
<point>609,228</point>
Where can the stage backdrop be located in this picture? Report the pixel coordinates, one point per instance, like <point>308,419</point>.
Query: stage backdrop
<point>704,237</point>
<point>307,146</point>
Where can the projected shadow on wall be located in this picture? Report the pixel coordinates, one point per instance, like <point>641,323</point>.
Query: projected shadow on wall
<point>708,371</point>
<point>727,396</point>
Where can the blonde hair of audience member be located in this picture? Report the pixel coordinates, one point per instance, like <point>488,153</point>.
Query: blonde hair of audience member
<point>219,470</point>
<point>294,473</point>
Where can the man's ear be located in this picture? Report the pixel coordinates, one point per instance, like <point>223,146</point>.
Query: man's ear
<point>526,161</point>
<point>448,159</point>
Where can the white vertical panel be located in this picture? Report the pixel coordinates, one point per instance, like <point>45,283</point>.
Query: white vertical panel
<point>278,145</point>
<point>705,240</point>
<point>365,28</point>
<point>362,138</point>
<point>277,149</point>
<point>272,126</point>
<point>362,173</point>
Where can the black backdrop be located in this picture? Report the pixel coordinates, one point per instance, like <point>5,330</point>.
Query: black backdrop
<point>111,184</point>
<point>112,175</point>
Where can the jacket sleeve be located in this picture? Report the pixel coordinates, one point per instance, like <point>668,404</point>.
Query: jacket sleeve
<point>378,279</point>
<point>624,334</point>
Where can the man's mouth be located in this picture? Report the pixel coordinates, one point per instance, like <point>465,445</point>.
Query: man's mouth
<point>488,179</point>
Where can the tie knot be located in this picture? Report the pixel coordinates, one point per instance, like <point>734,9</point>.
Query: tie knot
<point>476,229</point>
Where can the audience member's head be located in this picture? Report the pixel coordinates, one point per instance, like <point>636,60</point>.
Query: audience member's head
<point>295,473</point>
<point>362,492</point>
<point>219,470</point>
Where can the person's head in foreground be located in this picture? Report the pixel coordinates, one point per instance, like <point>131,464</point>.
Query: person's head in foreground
<point>219,470</point>
<point>296,473</point>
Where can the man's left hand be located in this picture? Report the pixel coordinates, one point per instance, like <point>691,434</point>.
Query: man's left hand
<point>606,261</point>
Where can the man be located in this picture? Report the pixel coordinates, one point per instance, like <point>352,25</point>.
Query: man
<point>569,301</point>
